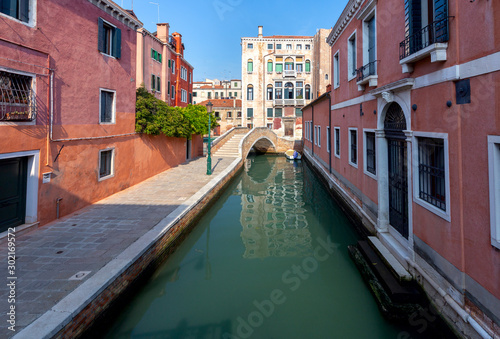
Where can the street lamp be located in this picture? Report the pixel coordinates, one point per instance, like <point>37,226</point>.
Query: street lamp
<point>209,158</point>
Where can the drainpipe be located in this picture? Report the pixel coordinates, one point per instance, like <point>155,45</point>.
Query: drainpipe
<point>312,129</point>
<point>330,131</point>
<point>466,317</point>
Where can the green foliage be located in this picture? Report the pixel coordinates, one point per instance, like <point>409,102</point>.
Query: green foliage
<point>154,116</point>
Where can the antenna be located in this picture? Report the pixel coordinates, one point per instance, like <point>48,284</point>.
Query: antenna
<point>157,4</point>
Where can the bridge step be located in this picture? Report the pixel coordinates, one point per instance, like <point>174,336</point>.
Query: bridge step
<point>230,147</point>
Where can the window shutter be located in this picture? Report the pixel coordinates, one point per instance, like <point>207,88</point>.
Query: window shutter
<point>413,16</point>
<point>169,63</point>
<point>24,8</point>
<point>100,35</point>
<point>153,81</point>
<point>159,57</point>
<point>117,43</point>
<point>152,53</point>
<point>269,112</point>
<point>249,112</point>
<point>441,13</point>
<point>103,106</point>
<point>158,84</point>
<point>168,89</point>
<point>440,9</point>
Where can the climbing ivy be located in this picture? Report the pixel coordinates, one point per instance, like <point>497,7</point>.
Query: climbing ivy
<point>153,116</point>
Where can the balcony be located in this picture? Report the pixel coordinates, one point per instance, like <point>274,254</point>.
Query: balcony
<point>289,73</point>
<point>367,75</point>
<point>289,102</point>
<point>17,98</point>
<point>431,40</point>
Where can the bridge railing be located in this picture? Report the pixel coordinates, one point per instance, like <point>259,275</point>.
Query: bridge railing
<point>220,141</point>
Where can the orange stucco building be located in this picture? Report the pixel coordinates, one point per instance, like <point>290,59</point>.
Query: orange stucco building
<point>411,139</point>
<point>67,110</point>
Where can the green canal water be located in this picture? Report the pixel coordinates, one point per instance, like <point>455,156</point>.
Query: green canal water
<point>268,260</point>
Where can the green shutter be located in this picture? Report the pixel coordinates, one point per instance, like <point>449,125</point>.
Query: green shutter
<point>308,66</point>
<point>269,112</point>
<point>249,112</point>
<point>159,57</point>
<point>117,43</point>
<point>277,112</point>
<point>100,35</point>
<point>158,84</point>
<point>250,66</point>
<point>169,63</point>
<point>279,68</point>
<point>269,66</point>
<point>168,89</point>
<point>152,53</point>
<point>153,81</point>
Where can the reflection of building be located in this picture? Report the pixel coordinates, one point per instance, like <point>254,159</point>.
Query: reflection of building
<point>272,217</point>
<point>227,112</point>
<point>216,89</point>
<point>280,75</point>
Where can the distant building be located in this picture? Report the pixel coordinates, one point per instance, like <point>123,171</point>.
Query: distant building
<point>280,75</point>
<point>161,66</point>
<point>216,89</point>
<point>227,112</point>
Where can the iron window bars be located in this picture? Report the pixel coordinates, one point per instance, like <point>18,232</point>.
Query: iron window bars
<point>17,98</point>
<point>436,32</point>
<point>432,188</point>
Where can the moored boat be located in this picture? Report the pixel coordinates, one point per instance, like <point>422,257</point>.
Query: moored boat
<point>293,155</point>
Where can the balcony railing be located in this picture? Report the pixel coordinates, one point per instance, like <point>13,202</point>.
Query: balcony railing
<point>172,42</point>
<point>287,73</point>
<point>366,71</point>
<point>289,102</point>
<point>17,98</point>
<point>436,32</point>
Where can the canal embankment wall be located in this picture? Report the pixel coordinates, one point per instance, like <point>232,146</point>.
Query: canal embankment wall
<point>81,308</point>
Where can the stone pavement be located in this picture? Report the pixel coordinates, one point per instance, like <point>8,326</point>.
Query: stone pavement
<point>90,239</point>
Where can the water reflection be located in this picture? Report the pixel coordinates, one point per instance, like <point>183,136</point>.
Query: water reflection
<point>273,214</point>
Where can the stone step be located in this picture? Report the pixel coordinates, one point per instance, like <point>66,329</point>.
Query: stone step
<point>397,269</point>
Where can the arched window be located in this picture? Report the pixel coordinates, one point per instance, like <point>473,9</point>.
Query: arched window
<point>289,64</point>
<point>269,66</point>
<point>250,65</point>
<point>269,92</point>
<point>288,90</point>
<point>308,65</point>
<point>250,92</point>
<point>308,92</point>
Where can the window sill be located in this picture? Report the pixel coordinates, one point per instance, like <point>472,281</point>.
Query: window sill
<point>437,52</point>
<point>108,55</point>
<point>370,81</point>
<point>106,177</point>
<point>30,24</point>
<point>353,164</point>
<point>431,208</point>
<point>371,175</point>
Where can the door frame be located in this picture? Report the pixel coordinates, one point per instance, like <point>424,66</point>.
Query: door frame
<point>32,183</point>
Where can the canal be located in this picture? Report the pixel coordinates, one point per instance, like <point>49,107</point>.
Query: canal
<point>268,260</point>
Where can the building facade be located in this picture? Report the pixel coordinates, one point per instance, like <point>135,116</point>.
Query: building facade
<point>161,66</point>
<point>216,89</point>
<point>280,75</point>
<point>410,137</point>
<point>227,112</point>
<point>67,111</point>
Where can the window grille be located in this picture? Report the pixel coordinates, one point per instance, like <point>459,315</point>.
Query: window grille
<point>17,98</point>
<point>431,172</point>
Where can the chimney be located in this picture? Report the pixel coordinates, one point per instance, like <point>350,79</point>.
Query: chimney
<point>260,32</point>
<point>178,43</point>
<point>162,32</point>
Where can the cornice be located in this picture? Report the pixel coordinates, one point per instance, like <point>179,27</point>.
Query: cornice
<point>344,19</point>
<point>311,39</point>
<point>118,13</point>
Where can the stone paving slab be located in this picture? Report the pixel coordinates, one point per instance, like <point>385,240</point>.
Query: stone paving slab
<point>102,238</point>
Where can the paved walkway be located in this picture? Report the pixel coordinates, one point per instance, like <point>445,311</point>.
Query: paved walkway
<point>91,239</point>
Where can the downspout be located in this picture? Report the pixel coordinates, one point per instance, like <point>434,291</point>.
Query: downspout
<point>330,131</point>
<point>312,130</point>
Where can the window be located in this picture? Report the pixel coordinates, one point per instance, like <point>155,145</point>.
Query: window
<point>353,149</point>
<point>288,46</point>
<point>195,94</point>
<point>308,92</point>
<point>336,70</point>
<point>431,186</point>
<point>183,95</point>
<point>17,97</point>
<point>315,135</point>
<point>288,90</point>
<point>236,85</point>
<point>351,56</point>
<point>328,139</point>
<point>168,89</point>
<point>278,112</point>
<point>18,9</point>
<point>217,115</point>
<point>172,92</point>
<point>238,115</point>
<point>250,46</point>
<point>216,95</point>
<point>184,73</point>
<point>158,84</point>
<point>106,163</point>
<point>250,66</point>
<point>269,92</point>
<point>494,183</point>
<point>299,46</point>
<point>308,66</point>
<point>300,68</point>
<point>109,39</point>
<point>209,95</point>
<point>173,66</point>
<point>269,66</point>
<point>250,92</point>
<point>337,141</point>
<point>298,112</point>
<point>269,112</point>
<point>370,163</point>
<point>289,64</point>
<point>308,47</point>
<point>319,136</point>
<point>299,91</point>
<point>278,46</point>
<point>107,106</point>
<point>369,48</point>
<point>155,83</point>
<point>155,55</point>
<point>249,112</point>
<point>229,115</point>
<point>269,46</point>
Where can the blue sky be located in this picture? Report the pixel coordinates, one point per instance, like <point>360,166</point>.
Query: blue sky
<point>212,29</point>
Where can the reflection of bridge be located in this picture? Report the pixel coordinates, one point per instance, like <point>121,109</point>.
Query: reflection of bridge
<point>261,139</point>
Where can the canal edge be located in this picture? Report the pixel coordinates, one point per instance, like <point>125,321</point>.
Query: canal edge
<point>76,312</point>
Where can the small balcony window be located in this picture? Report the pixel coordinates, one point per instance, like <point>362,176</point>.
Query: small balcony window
<point>17,98</point>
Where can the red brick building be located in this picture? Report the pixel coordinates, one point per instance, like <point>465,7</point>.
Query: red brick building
<point>411,141</point>
<point>227,112</point>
